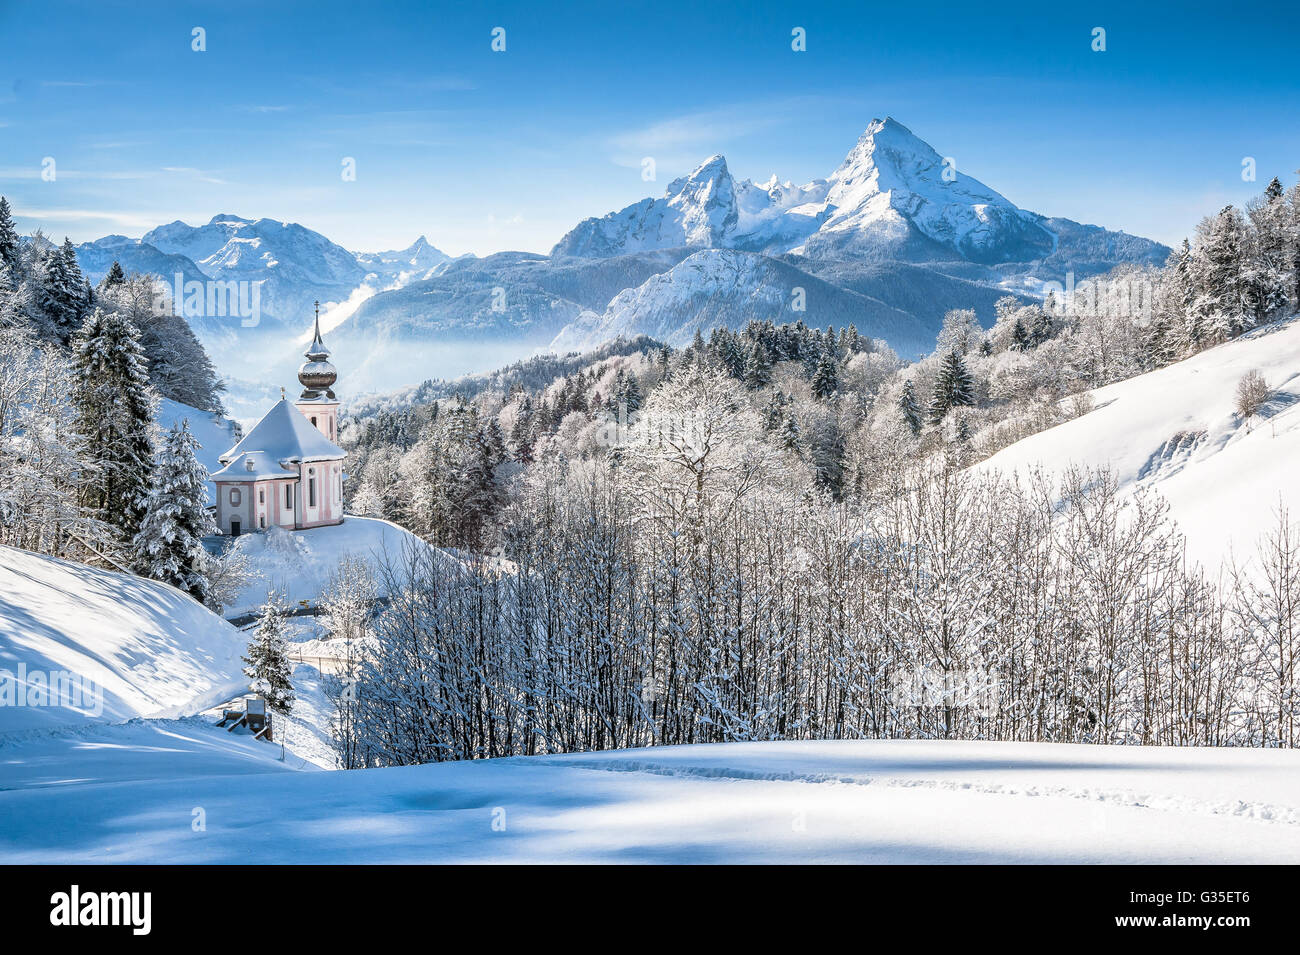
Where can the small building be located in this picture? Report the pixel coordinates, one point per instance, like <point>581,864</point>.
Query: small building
<point>288,471</point>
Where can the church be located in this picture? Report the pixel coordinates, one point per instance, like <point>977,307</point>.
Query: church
<point>288,471</point>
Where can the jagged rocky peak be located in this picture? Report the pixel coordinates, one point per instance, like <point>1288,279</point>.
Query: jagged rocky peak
<point>707,202</point>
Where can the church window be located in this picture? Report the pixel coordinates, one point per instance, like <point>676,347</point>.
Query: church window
<point>235,497</point>
<point>288,497</point>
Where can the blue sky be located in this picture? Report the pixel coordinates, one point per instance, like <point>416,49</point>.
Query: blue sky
<point>484,151</point>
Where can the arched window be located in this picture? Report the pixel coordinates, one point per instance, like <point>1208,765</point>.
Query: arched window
<point>261,495</point>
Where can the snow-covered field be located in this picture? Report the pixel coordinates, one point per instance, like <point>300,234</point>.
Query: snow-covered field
<point>1175,431</point>
<point>880,801</point>
<point>118,787</point>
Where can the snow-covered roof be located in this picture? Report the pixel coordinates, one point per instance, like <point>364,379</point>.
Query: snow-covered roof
<point>252,466</point>
<point>285,434</point>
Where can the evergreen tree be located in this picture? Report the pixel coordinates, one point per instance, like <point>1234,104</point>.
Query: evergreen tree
<point>267,662</point>
<point>169,544</point>
<point>521,432</point>
<point>60,295</point>
<point>953,388</point>
<point>1019,336</point>
<point>1270,272</point>
<point>9,246</point>
<point>632,395</point>
<point>826,379</point>
<point>495,442</point>
<point>115,410</point>
<point>114,277</point>
<point>909,408</point>
<point>790,435</point>
<point>1225,302</point>
<point>758,366</point>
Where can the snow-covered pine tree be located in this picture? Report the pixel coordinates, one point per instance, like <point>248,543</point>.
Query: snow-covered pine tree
<point>758,366</point>
<point>60,295</point>
<point>169,545</point>
<point>494,442</point>
<point>81,292</point>
<point>826,379</point>
<point>1225,290</point>
<point>8,238</point>
<point>521,432</point>
<point>909,408</point>
<point>115,412</point>
<point>1271,268</point>
<point>953,388</point>
<point>267,661</point>
<point>115,276</point>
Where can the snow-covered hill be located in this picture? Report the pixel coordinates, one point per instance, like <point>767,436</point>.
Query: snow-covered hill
<point>149,649</point>
<point>1175,430</point>
<point>299,565</point>
<point>878,801</point>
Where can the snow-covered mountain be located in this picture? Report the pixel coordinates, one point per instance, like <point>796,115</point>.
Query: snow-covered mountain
<point>727,288</point>
<point>416,261</point>
<point>893,197</point>
<point>889,241</point>
<point>295,264</point>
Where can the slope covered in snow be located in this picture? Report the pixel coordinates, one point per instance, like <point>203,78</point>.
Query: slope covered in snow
<point>845,802</point>
<point>1176,430</point>
<point>299,564</point>
<point>149,649</point>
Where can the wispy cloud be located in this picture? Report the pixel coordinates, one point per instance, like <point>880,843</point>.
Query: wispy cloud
<point>691,136</point>
<point>78,84</point>
<point>262,108</point>
<point>124,219</point>
<point>201,175</point>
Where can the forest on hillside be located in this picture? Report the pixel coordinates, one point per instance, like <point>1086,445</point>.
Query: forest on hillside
<point>775,533</point>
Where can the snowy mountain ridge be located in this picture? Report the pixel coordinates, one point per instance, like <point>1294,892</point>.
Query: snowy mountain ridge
<point>892,196</point>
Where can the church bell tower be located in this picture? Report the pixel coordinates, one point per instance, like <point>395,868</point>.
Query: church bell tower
<point>317,376</point>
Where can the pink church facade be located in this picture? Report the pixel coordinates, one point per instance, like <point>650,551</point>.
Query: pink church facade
<point>287,471</point>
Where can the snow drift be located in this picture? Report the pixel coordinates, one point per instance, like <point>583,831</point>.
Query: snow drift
<point>143,648</point>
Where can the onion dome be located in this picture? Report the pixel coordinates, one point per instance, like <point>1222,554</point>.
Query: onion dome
<point>317,375</point>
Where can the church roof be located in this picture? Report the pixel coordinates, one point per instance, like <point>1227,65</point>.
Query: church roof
<point>253,466</point>
<point>284,434</point>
